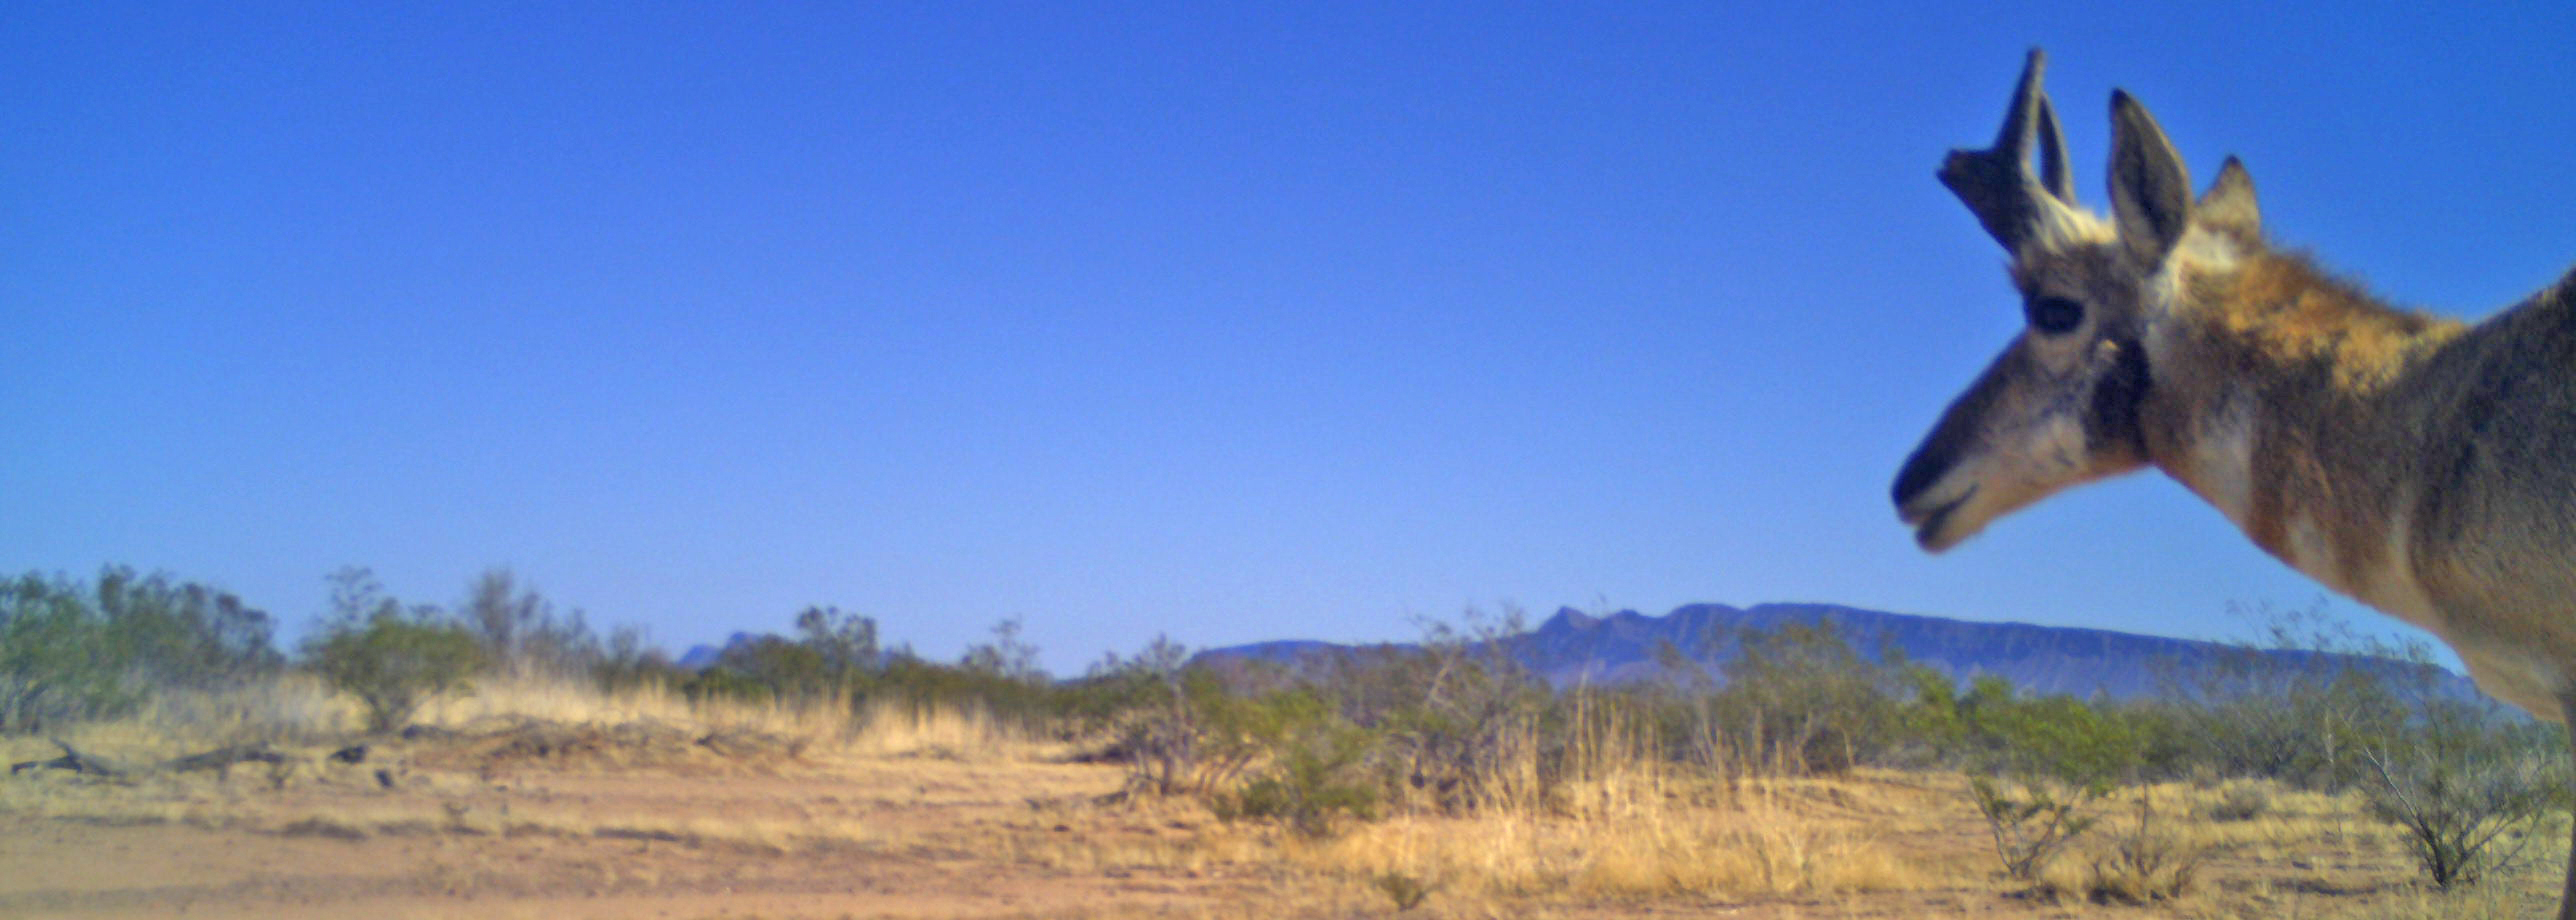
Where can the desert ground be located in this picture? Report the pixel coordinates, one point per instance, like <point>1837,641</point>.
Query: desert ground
<point>584,811</point>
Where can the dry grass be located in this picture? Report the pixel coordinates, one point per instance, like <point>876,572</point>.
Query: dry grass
<point>1658,844</point>
<point>969,810</point>
<point>297,710</point>
<point>1622,826</point>
<point>507,726</point>
<point>835,722</point>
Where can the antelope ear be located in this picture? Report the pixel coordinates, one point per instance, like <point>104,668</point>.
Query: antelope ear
<point>2150,192</point>
<point>2229,203</point>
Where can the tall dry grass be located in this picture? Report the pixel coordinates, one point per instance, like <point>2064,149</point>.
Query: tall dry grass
<point>836,722</point>
<point>295,710</point>
<point>1608,818</point>
<point>1654,844</point>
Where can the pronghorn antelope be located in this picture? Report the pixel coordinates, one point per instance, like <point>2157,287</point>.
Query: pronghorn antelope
<point>2423,466</point>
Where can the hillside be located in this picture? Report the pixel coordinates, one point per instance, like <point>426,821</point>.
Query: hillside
<point>1573,647</point>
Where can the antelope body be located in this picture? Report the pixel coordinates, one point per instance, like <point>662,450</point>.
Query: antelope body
<point>2420,465</point>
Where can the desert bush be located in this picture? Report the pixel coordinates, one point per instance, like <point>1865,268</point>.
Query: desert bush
<point>721,682</point>
<point>1007,656</point>
<point>521,632</point>
<point>833,657</point>
<point>2144,861</point>
<point>182,634</point>
<point>2298,705</point>
<point>70,651</point>
<point>1028,705</point>
<point>842,645</point>
<point>391,658</point>
<point>2048,764</point>
<point>2241,801</point>
<point>1461,717</point>
<point>1313,769</point>
<point>52,654</point>
<point>773,667</point>
<point>1803,701</point>
<point>834,662</point>
<point>2467,783</point>
<point>2031,823</point>
<point>1176,726</point>
<point>396,662</point>
<point>626,663</point>
<point>1403,891</point>
<point>999,679</point>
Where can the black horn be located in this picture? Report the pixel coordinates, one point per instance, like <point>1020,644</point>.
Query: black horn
<point>1997,183</point>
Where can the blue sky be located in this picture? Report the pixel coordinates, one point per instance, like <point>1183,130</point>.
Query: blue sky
<point>1214,320</point>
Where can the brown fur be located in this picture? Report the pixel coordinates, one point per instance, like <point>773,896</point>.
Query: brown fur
<point>2423,466</point>
<point>2317,356</point>
<point>2420,464</point>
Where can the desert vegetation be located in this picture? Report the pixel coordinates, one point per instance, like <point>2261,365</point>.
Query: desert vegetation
<point>501,748</point>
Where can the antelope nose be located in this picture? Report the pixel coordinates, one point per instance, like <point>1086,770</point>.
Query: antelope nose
<point>1921,471</point>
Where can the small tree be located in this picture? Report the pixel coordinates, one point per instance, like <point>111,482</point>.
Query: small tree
<point>56,662</point>
<point>70,651</point>
<point>182,634</point>
<point>1804,701</point>
<point>1008,656</point>
<point>521,631</point>
<point>1159,709</point>
<point>627,661</point>
<point>846,643</point>
<point>390,658</point>
<point>1460,715</point>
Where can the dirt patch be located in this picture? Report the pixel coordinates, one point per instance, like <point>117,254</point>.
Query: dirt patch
<point>526,819</point>
<point>562,836</point>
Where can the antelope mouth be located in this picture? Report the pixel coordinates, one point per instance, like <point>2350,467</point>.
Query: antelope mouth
<point>1930,526</point>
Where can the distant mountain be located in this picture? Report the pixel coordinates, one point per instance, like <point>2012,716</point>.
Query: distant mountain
<point>701,657</point>
<point>1573,648</point>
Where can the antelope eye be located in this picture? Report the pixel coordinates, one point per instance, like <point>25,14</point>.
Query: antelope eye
<point>2053,315</point>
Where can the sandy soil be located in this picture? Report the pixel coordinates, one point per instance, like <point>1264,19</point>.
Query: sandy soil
<point>462,830</point>
<point>664,827</point>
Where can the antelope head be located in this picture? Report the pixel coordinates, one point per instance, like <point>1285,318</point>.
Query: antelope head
<point>2060,406</point>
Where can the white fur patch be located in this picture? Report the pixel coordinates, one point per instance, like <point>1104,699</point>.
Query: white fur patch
<point>2391,586</point>
<point>2204,251</point>
<point>2061,228</point>
<point>2222,460</point>
<point>2309,551</point>
<point>2063,446</point>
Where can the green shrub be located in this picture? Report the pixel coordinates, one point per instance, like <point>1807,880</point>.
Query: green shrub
<point>1178,727</point>
<point>1313,767</point>
<point>1402,890</point>
<point>718,682</point>
<point>1462,718</point>
<point>2468,783</point>
<point>1803,701</point>
<point>396,661</point>
<point>2047,765</point>
<point>70,651</point>
<point>2241,802</point>
<point>774,667</point>
<point>390,658</point>
<point>55,662</point>
<point>625,663</point>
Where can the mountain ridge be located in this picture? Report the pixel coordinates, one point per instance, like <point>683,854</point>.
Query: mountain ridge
<point>1573,647</point>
